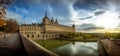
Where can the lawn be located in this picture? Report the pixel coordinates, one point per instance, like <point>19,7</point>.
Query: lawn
<point>51,44</point>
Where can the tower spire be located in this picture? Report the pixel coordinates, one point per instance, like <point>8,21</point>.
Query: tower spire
<point>73,24</point>
<point>52,20</point>
<point>46,13</point>
<point>46,20</point>
<point>56,21</point>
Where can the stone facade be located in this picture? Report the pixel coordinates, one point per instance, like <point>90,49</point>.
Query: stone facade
<point>47,29</point>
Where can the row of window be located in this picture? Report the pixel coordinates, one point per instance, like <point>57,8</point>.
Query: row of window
<point>32,28</point>
<point>32,36</point>
<point>43,32</point>
<point>29,32</point>
<point>49,35</point>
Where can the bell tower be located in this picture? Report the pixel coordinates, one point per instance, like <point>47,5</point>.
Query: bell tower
<point>73,26</point>
<point>46,20</point>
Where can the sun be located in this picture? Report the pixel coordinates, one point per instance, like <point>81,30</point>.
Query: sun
<point>109,20</point>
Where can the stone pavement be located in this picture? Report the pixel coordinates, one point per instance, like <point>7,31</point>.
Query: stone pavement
<point>11,45</point>
<point>14,44</point>
<point>111,47</point>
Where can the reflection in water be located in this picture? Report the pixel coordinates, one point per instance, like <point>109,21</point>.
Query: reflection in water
<point>77,49</point>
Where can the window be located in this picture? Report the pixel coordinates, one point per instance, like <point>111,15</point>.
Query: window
<point>52,35</point>
<point>46,35</point>
<point>38,35</point>
<point>32,36</point>
<point>29,28</point>
<point>43,36</point>
<point>56,35</point>
<point>28,35</point>
<point>49,35</point>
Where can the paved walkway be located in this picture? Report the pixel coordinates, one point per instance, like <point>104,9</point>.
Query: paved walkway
<point>11,45</point>
<point>111,47</point>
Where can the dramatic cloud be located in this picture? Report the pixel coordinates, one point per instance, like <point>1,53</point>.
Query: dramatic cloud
<point>89,27</point>
<point>86,4</point>
<point>97,13</point>
<point>92,13</point>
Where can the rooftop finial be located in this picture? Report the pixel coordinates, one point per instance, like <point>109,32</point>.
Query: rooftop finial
<point>52,20</point>
<point>56,21</point>
<point>46,13</point>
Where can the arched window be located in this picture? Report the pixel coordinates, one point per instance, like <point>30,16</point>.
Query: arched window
<point>25,28</point>
<point>43,36</point>
<point>49,35</point>
<point>38,35</point>
<point>28,35</point>
<point>32,36</point>
<point>46,35</point>
<point>55,35</point>
<point>52,35</point>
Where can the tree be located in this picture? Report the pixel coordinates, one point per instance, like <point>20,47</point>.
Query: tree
<point>2,22</point>
<point>3,6</point>
<point>12,26</point>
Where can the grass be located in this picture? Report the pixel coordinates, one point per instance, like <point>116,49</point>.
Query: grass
<point>51,44</point>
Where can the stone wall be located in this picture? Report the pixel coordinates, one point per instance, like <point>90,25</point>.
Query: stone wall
<point>58,28</point>
<point>34,49</point>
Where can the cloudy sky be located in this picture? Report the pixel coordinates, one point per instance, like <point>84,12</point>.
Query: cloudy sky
<point>88,15</point>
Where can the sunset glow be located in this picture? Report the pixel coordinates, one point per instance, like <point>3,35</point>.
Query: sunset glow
<point>109,20</point>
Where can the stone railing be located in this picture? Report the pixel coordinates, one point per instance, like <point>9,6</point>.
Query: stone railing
<point>34,49</point>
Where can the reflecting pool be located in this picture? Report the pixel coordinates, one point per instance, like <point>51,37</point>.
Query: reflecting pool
<point>68,48</point>
<point>77,49</point>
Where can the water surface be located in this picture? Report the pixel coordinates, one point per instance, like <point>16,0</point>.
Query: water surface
<point>77,49</point>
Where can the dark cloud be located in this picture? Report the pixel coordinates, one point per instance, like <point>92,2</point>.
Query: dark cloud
<point>95,14</point>
<point>86,5</point>
<point>99,13</point>
<point>89,26</point>
<point>89,17</point>
<point>97,4</point>
<point>109,4</point>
